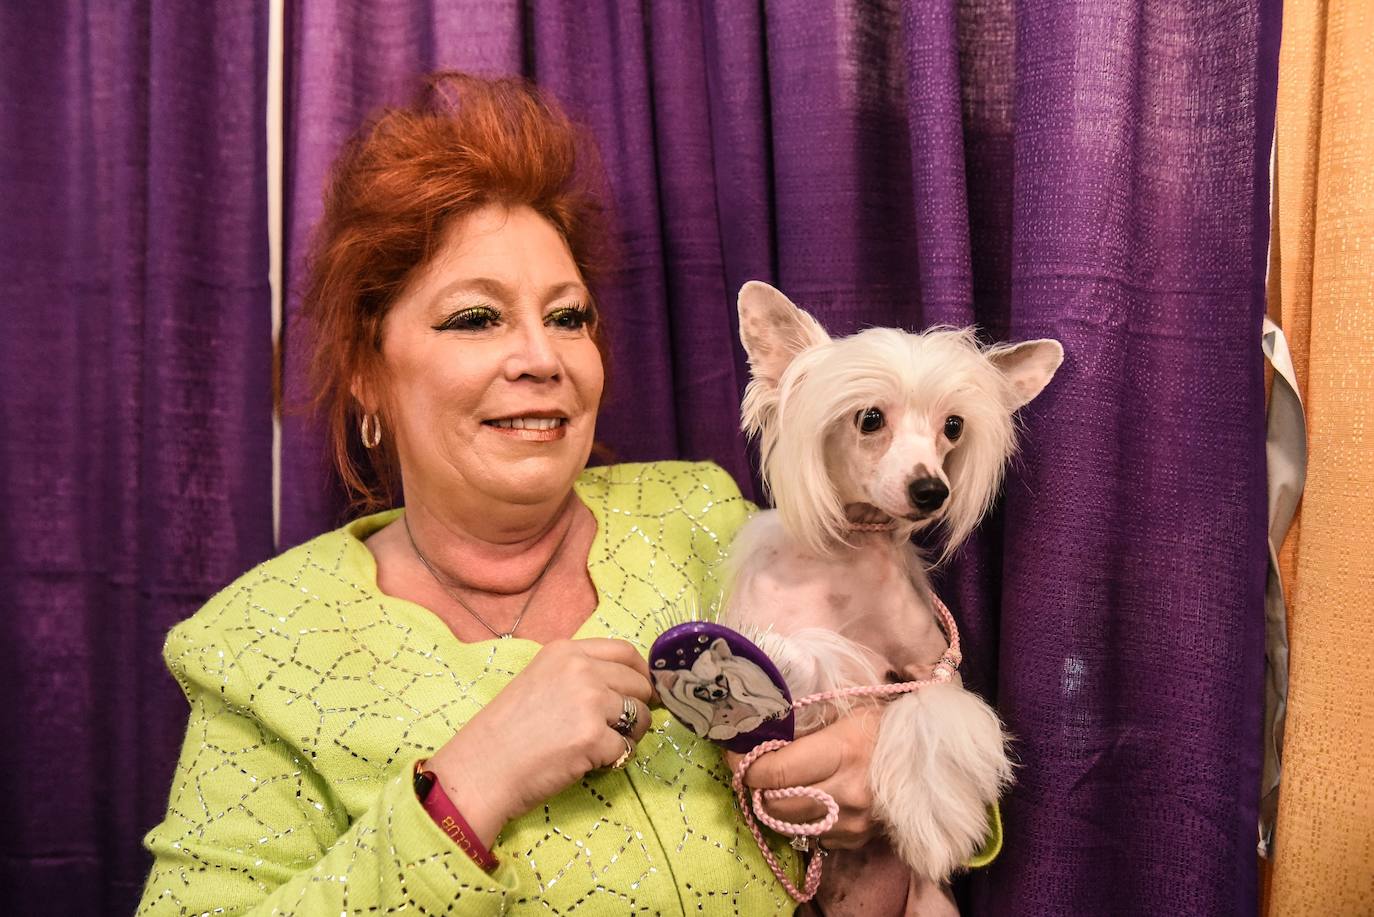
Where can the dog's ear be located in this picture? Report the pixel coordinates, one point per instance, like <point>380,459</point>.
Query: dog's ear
<point>720,650</point>
<point>773,331</point>
<point>1029,367</point>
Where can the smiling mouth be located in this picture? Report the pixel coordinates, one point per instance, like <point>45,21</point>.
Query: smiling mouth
<point>528,423</point>
<point>530,429</point>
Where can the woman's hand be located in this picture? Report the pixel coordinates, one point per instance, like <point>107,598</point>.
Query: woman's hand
<point>544,731</point>
<point>835,759</point>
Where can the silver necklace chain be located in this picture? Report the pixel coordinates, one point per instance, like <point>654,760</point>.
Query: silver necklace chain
<point>538,581</point>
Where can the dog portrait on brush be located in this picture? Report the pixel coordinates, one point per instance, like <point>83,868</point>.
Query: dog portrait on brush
<point>722,695</point>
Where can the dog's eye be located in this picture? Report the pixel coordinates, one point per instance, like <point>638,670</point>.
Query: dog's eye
<point>870,421</point>
<point>720,679</point>
<point>954,427</point>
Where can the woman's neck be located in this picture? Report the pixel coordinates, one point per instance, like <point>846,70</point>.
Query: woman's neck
<point>501,554</point>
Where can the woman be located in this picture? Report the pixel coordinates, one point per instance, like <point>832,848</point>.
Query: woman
<point>484,648</point>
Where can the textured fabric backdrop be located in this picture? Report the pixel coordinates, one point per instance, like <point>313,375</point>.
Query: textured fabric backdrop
<point>135,399</point>
<point>1322,291</point>
<point>1095,171</point>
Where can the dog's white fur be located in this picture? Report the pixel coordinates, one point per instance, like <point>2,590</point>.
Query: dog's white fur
<point>836,608</point>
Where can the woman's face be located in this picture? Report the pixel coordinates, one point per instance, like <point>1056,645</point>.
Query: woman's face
<point>492,379</point>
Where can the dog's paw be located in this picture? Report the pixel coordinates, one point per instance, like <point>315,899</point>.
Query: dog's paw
<point>813,660</point>
<point>941,760</point>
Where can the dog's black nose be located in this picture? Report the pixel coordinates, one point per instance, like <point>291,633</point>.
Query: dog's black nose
<point>927,494</point>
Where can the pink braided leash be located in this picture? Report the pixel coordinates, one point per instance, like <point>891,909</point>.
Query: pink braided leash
<point>753,814</point>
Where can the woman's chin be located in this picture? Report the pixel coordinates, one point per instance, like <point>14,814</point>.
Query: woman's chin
<point>542,477</point>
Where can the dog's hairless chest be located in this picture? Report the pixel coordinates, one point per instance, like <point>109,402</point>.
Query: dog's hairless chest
<point>873,593</point>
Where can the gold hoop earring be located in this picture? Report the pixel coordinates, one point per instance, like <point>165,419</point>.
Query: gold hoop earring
<point>371,431</point>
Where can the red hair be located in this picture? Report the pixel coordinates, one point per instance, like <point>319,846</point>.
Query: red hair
<point>397,186</point>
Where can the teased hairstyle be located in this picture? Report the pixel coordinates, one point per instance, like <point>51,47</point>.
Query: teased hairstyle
<point>398,185</point>
<point>827,385</point>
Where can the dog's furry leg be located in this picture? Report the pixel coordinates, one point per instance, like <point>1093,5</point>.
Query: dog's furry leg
<point>941,759</point>
<point>812,660</point>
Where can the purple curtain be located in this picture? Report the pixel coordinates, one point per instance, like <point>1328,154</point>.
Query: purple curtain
<point>1092,171</point>
<point>135,399</point>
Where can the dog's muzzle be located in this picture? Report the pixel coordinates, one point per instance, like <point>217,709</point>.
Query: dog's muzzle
<point>927,494</point>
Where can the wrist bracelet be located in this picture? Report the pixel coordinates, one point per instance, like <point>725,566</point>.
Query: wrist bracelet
<point>446,815</point>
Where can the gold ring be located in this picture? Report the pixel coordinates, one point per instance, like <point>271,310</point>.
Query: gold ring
<point>625,755</point>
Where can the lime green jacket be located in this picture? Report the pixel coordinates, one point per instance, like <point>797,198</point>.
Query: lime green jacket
<point>313,694</point>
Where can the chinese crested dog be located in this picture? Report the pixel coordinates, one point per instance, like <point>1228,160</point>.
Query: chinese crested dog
<point>865,440</point>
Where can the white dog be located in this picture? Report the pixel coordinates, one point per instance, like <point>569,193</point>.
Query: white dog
<point>865,440</point>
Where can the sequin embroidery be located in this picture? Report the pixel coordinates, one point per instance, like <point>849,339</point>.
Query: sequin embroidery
<point>312,694</point>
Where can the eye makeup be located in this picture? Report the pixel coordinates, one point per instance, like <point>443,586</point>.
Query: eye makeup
<point>479,318</point>
<point>571,318</point>
<point>471,318</point>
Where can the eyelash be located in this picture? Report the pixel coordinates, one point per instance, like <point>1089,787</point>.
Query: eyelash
<point>580,315</point>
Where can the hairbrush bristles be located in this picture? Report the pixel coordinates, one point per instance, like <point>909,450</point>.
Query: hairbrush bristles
<point>688,609</point>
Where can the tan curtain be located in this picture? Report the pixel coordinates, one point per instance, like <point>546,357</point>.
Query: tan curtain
<point>1322,293</point>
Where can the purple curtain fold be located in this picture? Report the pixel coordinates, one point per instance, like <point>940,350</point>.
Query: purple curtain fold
<point>135,391</point>
<point>1090,171</point>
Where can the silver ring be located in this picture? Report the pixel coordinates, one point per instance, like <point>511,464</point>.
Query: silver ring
<point>807,844</point>
<point>625,755</point>
<point>629,715</point>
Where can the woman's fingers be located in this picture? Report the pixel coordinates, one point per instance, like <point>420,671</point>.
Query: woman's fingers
<point>806,762</point>
<point>851,839</point>
<point>853,828</point>
<point>615,664</point>
<point>621,679</point>
<point>835,760</point>
<point>618,651</point>
<point>612,746</point>
<point>602,675</point>
<point>640,720</point>
<point>613,673</point>
<point>798,809</point>
<point>854,803</point>
<point>552,723</point>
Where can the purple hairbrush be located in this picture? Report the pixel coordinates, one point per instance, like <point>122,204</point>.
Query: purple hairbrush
<point>721,686</point>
